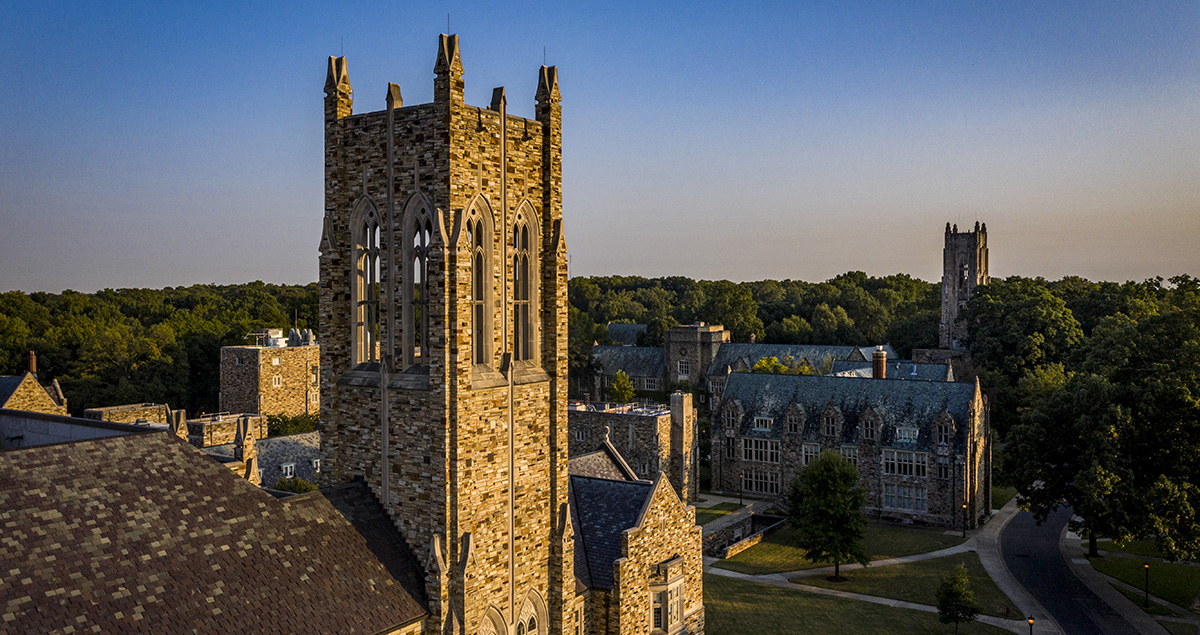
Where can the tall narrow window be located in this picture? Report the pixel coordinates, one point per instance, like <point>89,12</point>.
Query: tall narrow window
<point>478,290</point>
<point>522,290</point>
<point>422,233</point>
<point>365,286</point>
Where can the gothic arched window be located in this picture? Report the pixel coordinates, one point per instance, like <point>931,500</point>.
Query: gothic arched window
<point>418,278</point>
<point>522,290</point>
<point>364,225</point>
<point>479,333</point>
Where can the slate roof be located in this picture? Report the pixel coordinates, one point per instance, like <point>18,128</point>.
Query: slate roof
<point>729,354</point>
<point>896,369</point>
<point>601,509</point>
<point>146,533</point>
<point>625,334</point>
<point>895,402</point>
<point>636,361</point>
<point>8,385</point>
<point>298,449</point>
<point>604,462</point>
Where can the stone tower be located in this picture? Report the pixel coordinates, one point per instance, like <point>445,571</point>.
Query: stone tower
<point>964,267</point>
<point>443,277</point>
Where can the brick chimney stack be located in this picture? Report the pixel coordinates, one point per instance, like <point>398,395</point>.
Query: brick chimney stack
<point>33,363</point>
<point>879,363</point>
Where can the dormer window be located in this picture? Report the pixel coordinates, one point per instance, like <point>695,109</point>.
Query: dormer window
<point>830,423</point>
<point>288,470</point>
<point>316,465</point>
<point>944,432</point>
<point>762,423</point>
<point>907,435</point>
<point>793,422</point>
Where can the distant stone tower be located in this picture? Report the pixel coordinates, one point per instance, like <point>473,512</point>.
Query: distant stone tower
<point>964,267</point>
<point>443,310</point>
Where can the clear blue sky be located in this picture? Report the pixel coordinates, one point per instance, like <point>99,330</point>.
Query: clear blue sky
<point>150,144</point>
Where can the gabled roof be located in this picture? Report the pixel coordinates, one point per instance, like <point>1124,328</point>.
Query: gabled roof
<point>625,334</point>
<point>636,361</point>
<point>894,402</point>
<point>145,531</point>
<point>896,369</point>
<point>729,354</point>
<point>299,449</point>
<point>10,383</point>
<point>601,509</point>
<point>604,462</point>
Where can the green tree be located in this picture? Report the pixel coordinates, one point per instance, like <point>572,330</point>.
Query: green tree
<point>280,425</point>
<point>826,505</point>
<point>296,485</point>
<point>1066,448</point>
<point>621,389</point>
<point>955,600</point>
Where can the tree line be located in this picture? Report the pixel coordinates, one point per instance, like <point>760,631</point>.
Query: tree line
<point>120,346</point>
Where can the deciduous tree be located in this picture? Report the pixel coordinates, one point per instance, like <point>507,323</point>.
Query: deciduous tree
<point>826,504</point>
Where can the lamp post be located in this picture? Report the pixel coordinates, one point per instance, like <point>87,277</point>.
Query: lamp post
<point>1030,625</point>
<point>741,487</point>
<point>1146,588</point>
<point>964,508</point>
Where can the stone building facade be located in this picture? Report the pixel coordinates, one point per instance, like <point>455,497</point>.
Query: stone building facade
<point>652,438</point>
<point>277,376</point>
<point>964,267</point>
<point>139,413</point>
<point>443,313</point>
<point>24,392</point>
<point>222,428</point>
<point>922,448</point>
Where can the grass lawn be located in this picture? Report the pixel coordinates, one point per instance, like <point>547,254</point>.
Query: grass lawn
<point>1178,628</point>
<point>1001,495</point>
<point>918,582</point>
<point>777,551</point>
<point>705,515</point>
<point>1175,583</point>
<point>735,607</point>
<point>1138,598</point>
<point>1135,547</point>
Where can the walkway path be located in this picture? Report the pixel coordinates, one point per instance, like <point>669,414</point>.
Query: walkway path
<point>1024,560</point>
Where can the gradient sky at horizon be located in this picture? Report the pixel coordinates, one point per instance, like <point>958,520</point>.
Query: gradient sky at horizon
<point>148,144</point>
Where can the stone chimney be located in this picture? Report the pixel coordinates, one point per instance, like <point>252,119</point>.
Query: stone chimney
<point>33,363</point>
<point>753,337</point>
<point>245,448</point>
<point>177,420</point>
<point>879,363</point>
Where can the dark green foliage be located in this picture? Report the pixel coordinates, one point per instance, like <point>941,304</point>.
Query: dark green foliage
<point>296,485</point>
<point>825,507</point>
<point>121,346</point>
<point>955,599</point>
<point>280,425</point>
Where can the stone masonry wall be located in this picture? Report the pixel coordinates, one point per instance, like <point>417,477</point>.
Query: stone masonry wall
<point>467,454</point>
<point>209,431</point>
<point>249,375</point>
<point>31,396</point>
<point>132,413</point>
<point>668,529</point>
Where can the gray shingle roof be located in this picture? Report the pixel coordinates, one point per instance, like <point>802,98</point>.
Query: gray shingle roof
<point>728,355</point>
<point>8,385</point>
<point>896,403</point>
<point>297,449</point>
<point>636,361</point>
<point>897,369</point>
<point>601,509</point>
<point>625,334</point>
<point>145,531</point>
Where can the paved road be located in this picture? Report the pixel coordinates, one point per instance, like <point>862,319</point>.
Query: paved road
<point>1032,555</point>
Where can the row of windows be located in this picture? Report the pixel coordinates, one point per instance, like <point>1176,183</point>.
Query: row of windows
<point>761,450</point>
<point>415,287</point>
<point>906,497</point>
<point>904,463</point>
<point>761,481</point>
<point>647,383</point>
<point>944,431</point>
